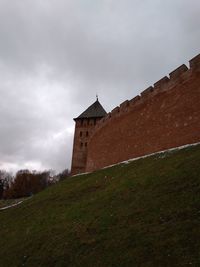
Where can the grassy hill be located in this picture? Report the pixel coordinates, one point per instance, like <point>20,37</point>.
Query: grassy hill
<point>145,213</point>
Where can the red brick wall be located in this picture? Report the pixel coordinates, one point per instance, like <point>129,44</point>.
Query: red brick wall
<point>164,116</point>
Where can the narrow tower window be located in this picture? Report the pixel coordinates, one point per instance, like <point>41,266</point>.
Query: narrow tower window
<point>81,133</point>
<point>85,144</point>
<point>81,145</point>
<point>87,133</point>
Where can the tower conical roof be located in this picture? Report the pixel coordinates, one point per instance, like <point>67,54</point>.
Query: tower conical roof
<point>94,111</point>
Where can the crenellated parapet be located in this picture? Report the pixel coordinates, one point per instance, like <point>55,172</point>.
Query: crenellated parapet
<point>179,76</point>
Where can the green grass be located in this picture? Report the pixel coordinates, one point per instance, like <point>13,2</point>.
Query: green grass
<point>145,214</point>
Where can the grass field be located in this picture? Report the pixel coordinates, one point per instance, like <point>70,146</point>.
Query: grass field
<point>145,214</point>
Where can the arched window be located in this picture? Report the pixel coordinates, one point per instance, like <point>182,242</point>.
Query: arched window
<point>85,144</point>
<point>81,133</point>
<point>87,134</point>
<point>81,144</point>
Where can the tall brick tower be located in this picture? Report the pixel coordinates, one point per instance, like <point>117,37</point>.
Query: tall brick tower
<point>84,125</point>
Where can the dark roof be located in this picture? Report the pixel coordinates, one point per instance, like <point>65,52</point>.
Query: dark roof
<point>94,111</point>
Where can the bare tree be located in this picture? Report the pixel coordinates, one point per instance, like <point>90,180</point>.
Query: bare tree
<point>5,181</point>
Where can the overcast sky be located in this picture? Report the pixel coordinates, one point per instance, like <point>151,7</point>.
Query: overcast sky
<point>55,55</point>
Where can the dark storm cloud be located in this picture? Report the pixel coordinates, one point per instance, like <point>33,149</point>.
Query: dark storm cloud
<point>55,55</point>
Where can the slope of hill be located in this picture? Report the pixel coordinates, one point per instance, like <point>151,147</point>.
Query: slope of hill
<point>145,213</point>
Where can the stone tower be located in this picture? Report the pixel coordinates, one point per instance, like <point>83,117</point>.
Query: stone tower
<point>84,125</point>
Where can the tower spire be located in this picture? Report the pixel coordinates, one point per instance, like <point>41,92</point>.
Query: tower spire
<point>97,97</point>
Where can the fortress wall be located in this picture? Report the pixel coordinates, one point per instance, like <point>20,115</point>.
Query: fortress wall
<point>165,115</point>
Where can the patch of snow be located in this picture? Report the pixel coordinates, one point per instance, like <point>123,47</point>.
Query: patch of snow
<point>10,206</point>
<point>16,204</point>
<point>79,174</point>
